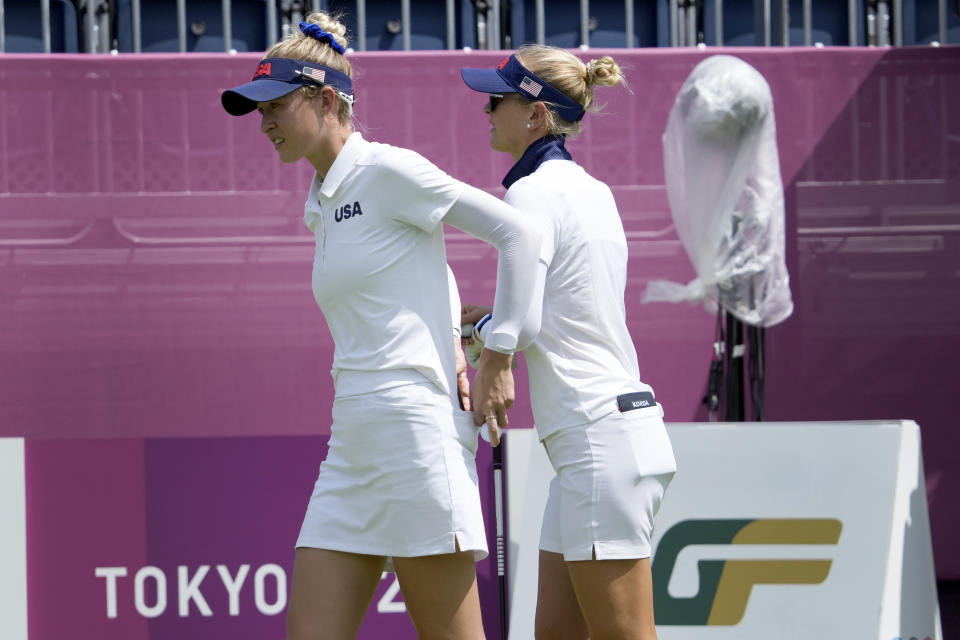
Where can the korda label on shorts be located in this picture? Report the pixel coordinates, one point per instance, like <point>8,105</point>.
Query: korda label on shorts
<point>637,400</point>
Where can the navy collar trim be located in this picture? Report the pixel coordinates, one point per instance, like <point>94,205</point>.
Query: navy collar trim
<point>539,151</point>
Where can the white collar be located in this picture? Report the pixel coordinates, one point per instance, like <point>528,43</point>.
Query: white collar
<point>349,154</point>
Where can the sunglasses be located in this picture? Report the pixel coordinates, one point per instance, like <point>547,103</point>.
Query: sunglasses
<point>497,98</point>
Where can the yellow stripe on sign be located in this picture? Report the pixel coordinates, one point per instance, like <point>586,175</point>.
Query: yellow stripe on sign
<point>790,531</point>
<point>739,576</point>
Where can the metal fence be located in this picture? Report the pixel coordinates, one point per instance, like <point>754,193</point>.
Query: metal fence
<point>101,26</point>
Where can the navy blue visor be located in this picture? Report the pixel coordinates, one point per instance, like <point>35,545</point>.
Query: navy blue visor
<point>512,77</point>
<point>276,77</point>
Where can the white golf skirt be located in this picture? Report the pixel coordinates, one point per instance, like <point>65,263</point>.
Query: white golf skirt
<point>611,477</point>
<point>399,479</point>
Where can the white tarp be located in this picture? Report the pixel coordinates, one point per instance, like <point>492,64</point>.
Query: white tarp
<point>726,195</point>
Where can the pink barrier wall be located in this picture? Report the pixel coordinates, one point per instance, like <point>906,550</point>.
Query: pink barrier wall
<point>154,269</point>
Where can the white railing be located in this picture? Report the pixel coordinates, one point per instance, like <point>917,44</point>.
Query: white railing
<point>870,22</point>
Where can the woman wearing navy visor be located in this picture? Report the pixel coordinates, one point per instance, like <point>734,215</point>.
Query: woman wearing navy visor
<point>398,488</point>
<point>601,427</point>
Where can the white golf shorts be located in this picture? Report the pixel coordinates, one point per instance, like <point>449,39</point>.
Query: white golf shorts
<point>611,477</point>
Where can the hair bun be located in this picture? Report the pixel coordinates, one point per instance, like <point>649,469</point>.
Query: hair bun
<point>603,71</point>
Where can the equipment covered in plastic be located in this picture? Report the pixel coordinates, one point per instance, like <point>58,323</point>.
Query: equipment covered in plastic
<point>726,195</point>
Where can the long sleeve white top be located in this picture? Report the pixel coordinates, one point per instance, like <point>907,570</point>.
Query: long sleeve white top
<point>379,272</point>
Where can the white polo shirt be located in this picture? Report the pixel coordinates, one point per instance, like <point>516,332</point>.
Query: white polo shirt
<point>379,274</point>
<point>583,357</point>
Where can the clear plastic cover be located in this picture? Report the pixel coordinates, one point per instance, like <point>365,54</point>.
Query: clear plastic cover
<point>726,195</point>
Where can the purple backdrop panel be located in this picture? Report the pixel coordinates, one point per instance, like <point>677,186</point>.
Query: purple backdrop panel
<point>154,268</point>
<point>873,251</point>
<point>85,511</point>
<point>133,539</point>
<point>227,510</point>
<point>193,299</point>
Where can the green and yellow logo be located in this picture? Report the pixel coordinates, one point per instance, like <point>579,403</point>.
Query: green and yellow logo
<point>725,585</point>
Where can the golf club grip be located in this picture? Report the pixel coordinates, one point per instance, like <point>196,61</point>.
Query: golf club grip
<point>498,501</point>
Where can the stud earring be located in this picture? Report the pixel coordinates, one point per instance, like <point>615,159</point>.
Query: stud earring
<point>528,125</point>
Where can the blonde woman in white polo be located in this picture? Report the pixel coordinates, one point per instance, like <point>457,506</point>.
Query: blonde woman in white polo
<point>601,426</point>
<point>398,488</point>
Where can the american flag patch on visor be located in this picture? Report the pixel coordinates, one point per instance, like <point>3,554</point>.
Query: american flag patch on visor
<point>530,86</point>
<point>314,74</point>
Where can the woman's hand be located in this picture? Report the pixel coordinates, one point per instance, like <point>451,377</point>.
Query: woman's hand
<point>493,392</point>
<point>470,314</point>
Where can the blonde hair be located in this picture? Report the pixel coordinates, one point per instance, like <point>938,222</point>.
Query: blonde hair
<point>303,47</point>
<point>569,75</point>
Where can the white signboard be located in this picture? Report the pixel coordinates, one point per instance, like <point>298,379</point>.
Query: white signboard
<point>769,530</point>
<point>13,540</point>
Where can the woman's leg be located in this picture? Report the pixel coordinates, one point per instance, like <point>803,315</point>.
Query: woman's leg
<point>441,595</point>
<point>558,612</point>
<point>330,593</point>
<point>604,499</point>
<point>616,598</point>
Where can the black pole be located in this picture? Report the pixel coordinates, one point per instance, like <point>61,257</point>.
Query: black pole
<point>756,337</point>
<point>733,357</point>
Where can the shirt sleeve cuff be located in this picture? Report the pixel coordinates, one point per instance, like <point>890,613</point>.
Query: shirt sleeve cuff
<point>501,343</point>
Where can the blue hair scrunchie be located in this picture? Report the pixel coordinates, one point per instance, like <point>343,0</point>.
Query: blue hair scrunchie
<point>314,31</point>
